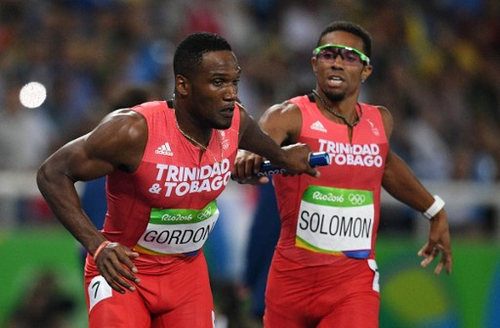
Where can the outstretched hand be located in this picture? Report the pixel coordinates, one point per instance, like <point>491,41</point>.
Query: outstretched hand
<point>246,166</point>
<point>114,263</point>
<point>439,242</point>
<point>297,159</point>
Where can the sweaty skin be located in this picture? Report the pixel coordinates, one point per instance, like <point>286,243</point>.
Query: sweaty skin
<point>283,123</point>
<point>118,143</point>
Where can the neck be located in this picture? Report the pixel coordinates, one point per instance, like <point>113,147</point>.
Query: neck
<point>344,109</point>
<point>345,105</point>
<point>191,129</point>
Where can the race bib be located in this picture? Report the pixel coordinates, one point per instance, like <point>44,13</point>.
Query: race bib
<point>336,221</point>
<point>98,290</point>
<point>177,231</point>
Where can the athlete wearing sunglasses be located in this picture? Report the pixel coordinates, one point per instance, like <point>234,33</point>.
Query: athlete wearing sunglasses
<point>323,272</point>
<point>352,56</point>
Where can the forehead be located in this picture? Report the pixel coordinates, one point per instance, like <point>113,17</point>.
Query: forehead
<point>219,62</point>
<point>344,38</point>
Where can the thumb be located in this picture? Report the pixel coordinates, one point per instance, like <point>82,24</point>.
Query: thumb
<point>313,172</point>
<point>263,180</point>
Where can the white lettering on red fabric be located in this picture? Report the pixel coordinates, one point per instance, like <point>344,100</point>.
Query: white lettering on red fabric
<point>367,155</point>
<point>181,180</point>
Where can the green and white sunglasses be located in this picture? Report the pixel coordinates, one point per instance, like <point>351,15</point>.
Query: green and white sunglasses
<point>351,56</point>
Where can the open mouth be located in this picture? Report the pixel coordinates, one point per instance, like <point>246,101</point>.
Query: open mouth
<point>335,81</point>
<point>227,112</point>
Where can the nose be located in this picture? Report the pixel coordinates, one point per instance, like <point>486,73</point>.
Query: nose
<point>338,60</point>
<point>231,93</point>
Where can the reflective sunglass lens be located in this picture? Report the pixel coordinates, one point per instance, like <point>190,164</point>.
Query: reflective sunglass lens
<point>350,56</point>
<point>329,54</point>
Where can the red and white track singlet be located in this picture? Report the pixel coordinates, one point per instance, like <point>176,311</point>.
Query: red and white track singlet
<point>323,272</point>
<point>336,215</point>
<point>166,207</point>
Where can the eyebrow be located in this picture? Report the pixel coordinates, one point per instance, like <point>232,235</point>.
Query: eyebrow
<point>224,74</point>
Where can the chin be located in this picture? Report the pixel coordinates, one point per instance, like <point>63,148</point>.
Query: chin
<point>336,97</point>
<point>223,125</point>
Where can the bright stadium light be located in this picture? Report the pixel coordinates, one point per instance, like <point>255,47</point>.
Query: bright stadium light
<point>33,94</point>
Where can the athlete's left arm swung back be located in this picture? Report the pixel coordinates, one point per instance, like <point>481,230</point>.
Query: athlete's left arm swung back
<point>400,182</point>
<point>116,143</point>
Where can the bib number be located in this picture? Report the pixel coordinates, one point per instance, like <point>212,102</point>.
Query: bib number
<point>373,266</point>
<point>336,221</point>
<point>177,231</point>
<point>98,290</point>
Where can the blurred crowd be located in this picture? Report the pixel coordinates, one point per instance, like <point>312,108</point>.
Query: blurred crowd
<point>436,67</point>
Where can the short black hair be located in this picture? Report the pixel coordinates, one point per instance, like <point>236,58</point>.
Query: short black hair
<point>189,52</point>
<point>352,28</point>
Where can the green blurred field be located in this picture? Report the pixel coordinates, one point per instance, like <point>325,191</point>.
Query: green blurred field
<point>411,296</point>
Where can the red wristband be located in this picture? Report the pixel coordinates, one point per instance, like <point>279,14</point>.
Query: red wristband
<point>99,249</point>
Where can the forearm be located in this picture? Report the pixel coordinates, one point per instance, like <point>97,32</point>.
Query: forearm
<point>60,193</point>
<point>400,182</point>
<point>255,140</point>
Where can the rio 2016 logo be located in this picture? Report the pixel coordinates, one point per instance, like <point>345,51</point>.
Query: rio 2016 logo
<point>356,199</point>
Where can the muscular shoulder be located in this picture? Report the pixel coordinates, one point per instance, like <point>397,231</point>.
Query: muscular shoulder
<point>284,110</point>
<point>284,120</point>
<point>120,138</point>
<point>386,119</point>
<point>128,125</point>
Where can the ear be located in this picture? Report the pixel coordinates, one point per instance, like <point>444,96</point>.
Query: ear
<point>182,86</point>
<point>367,70</point>
<point>314,63</point>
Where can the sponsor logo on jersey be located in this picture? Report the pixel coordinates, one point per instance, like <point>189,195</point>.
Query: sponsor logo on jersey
<point>164,150</point>
<point>318,126</point>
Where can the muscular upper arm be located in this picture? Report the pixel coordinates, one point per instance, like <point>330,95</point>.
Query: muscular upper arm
<point>395,168</point>
<point>283,123</point>
<point>388,126</point>
<point>118,142</point>
<point>387,120</point>
<point>398,179</point>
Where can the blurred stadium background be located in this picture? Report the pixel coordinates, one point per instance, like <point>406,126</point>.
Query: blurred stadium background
<point>436,67</point>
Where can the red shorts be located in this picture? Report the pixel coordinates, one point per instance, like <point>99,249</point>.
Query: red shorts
<point>176,294</point>
<point>322,296</point>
